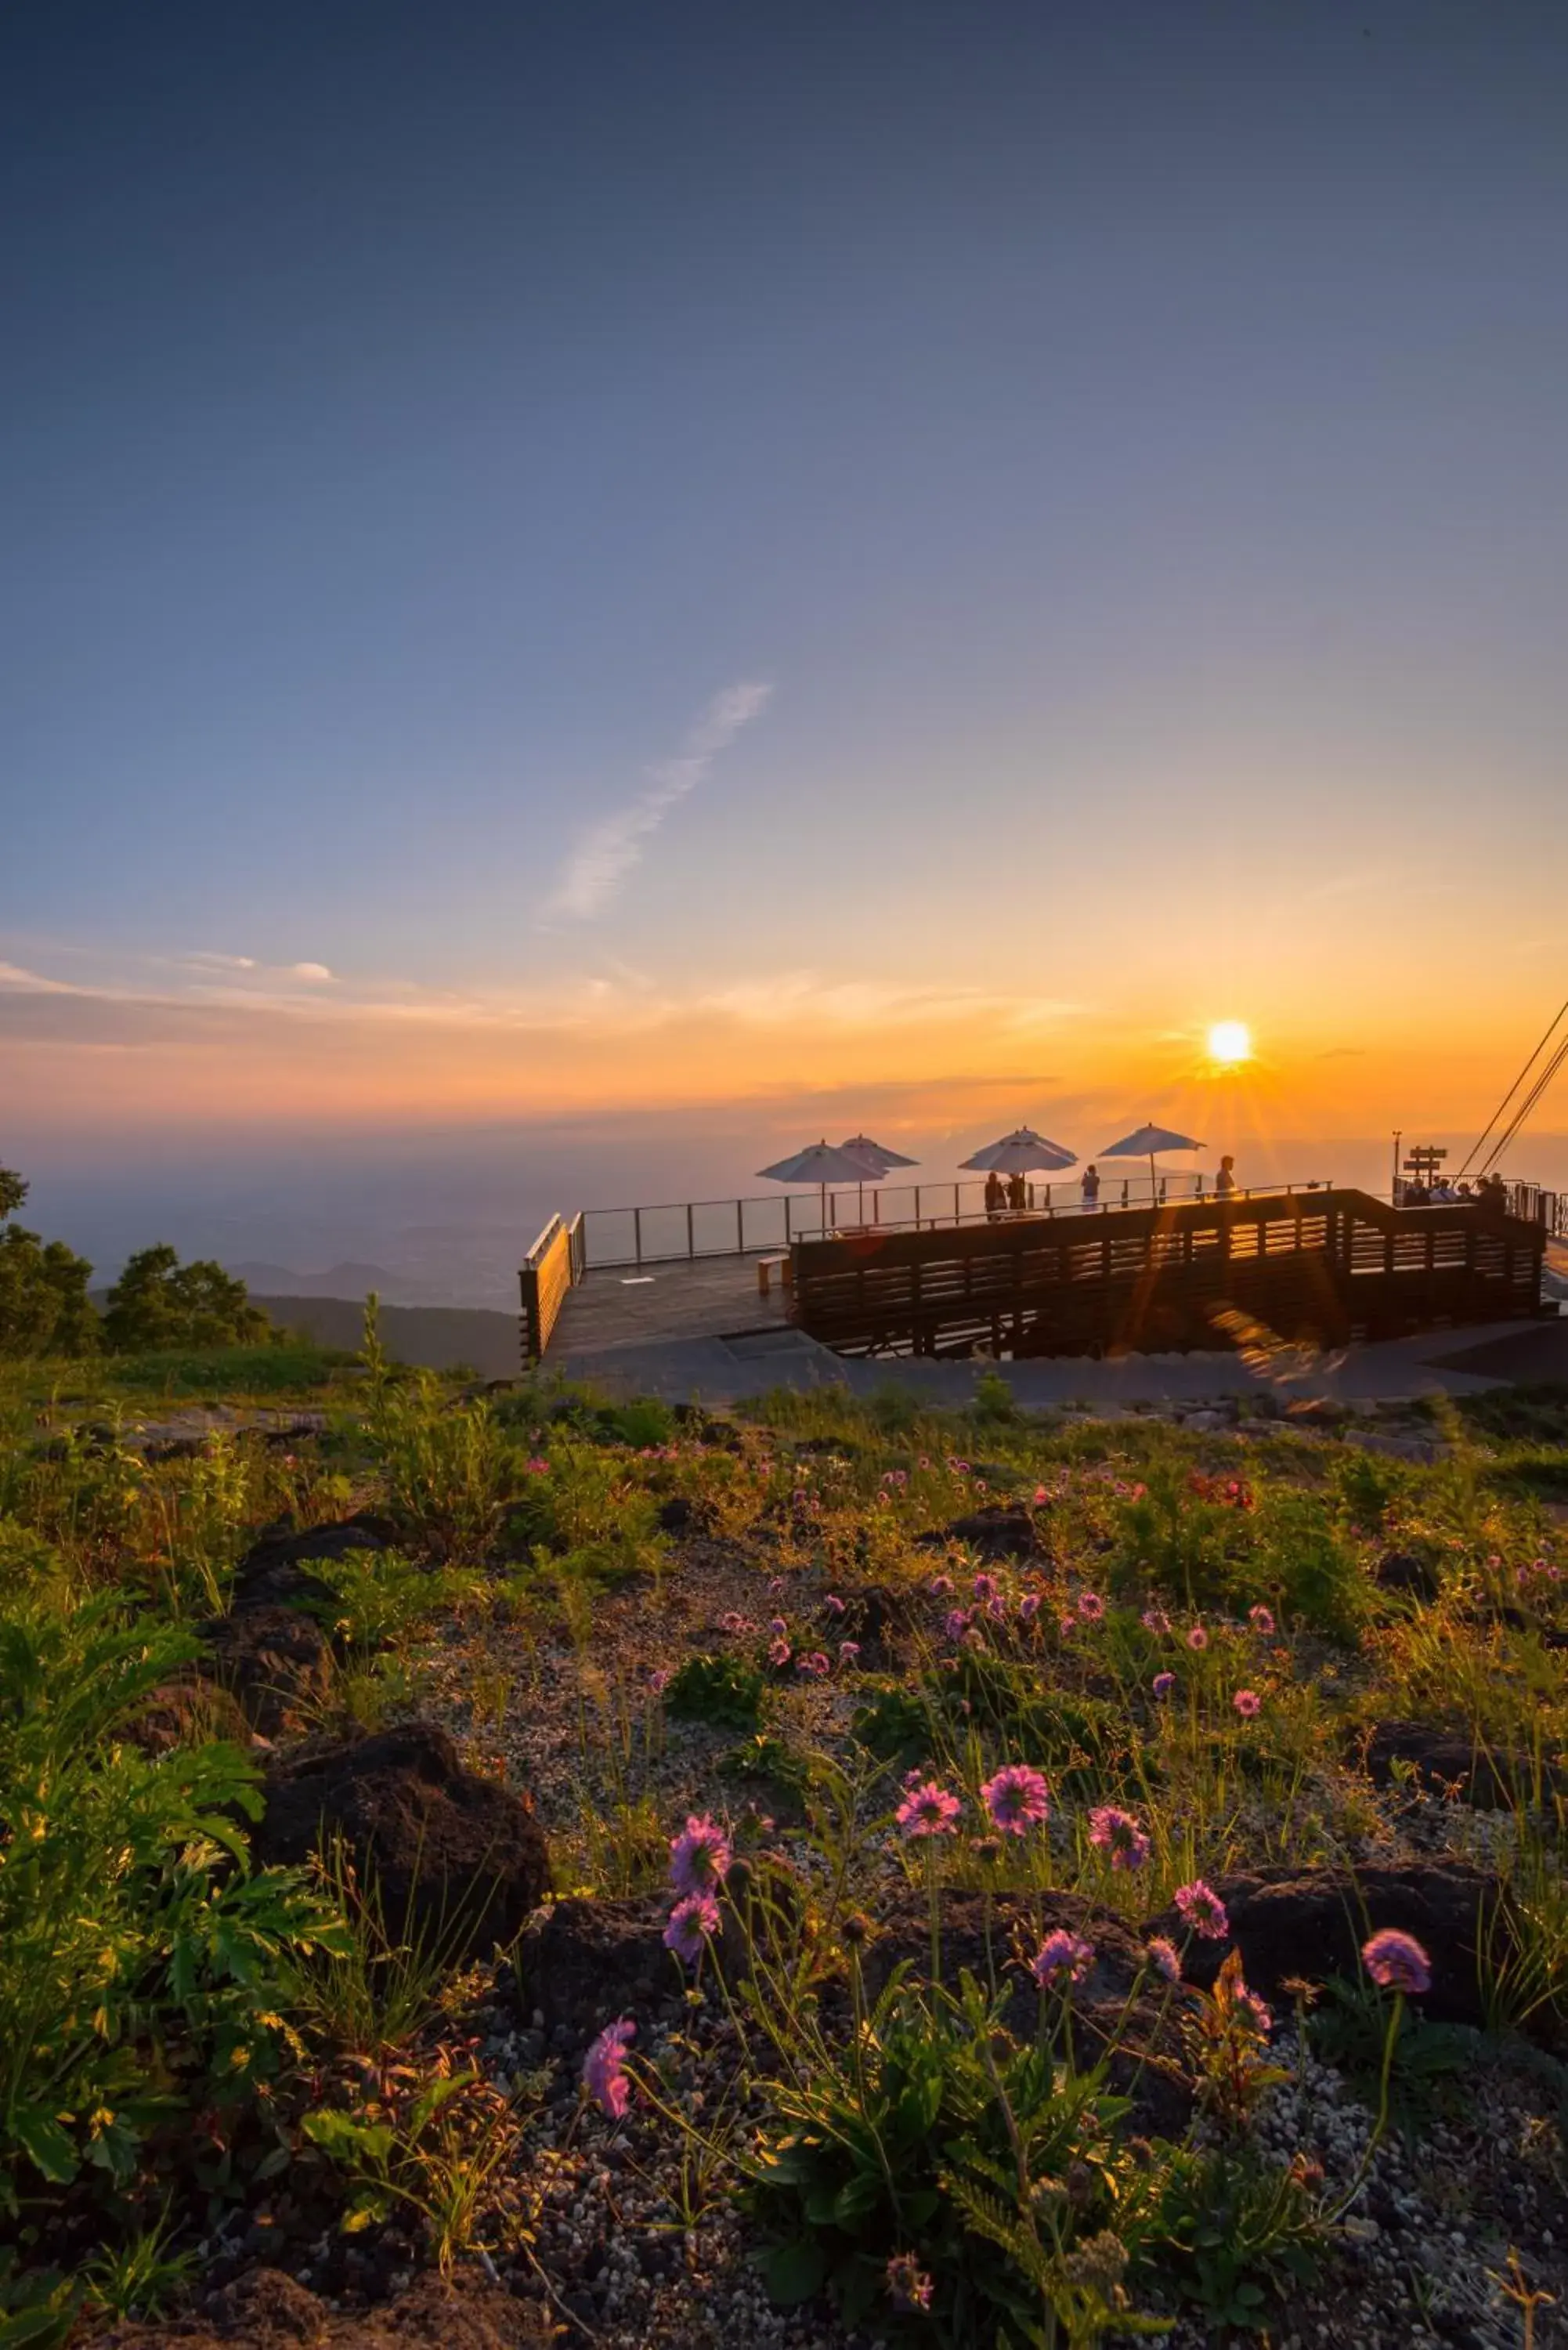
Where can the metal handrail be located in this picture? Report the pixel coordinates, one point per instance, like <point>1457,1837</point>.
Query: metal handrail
<point>790,1216</point>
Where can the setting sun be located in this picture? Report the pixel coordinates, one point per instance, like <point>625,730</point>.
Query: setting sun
<point>1230,1041</point>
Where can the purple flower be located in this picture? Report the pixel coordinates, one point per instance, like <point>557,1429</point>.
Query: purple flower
<point>1201,1908</point>
<point>1029,1608</point>
<point>956,1622</point>
<point>985,1587</point>
<point>1261,1620</point>
<point>1017,1799</point>
<point>658,1682</point>
<point>698,1856</point>
<point>1091,1606</point>
<point>777,1626</point>
<point>689,1921</point>
<point>1247,1703</point>
<point>604,2075</point>
<point>927,1810</point>
<point>1165,1958</point>
<point>1117,1833</point>
<point>1396,1961</point>
<point>908,2284</point>
<point>1061,1958</point>
<point>1163,1683</point>
<point>940,1586</point>
<point>997,1610</point>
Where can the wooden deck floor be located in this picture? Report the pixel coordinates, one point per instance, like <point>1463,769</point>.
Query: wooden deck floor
<point>713,1298</point>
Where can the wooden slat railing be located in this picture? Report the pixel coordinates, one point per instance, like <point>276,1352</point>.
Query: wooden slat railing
<point>1329,1264</point>
<point>546,1274</point>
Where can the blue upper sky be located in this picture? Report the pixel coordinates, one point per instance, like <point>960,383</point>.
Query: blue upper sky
<point>1111,459</point>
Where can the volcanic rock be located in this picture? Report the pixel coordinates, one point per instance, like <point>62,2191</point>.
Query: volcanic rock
<point>452,1861</point>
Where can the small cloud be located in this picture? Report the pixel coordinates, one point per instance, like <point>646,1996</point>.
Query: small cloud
<point>13,975</point>
<point>199,960</point>
<point>607,851</point>
<point>1343,1052</point>
<point>308,971</point>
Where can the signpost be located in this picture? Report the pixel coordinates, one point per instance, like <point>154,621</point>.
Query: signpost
<point>1422,1162</point>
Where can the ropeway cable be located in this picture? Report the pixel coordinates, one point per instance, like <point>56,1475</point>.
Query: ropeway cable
<point>1542,1083</point>
<point>1501,1108</point>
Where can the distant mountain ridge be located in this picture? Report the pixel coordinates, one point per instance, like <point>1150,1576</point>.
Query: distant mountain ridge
<point>349,1279</point>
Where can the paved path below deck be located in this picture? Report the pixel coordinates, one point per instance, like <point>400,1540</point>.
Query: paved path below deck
<point>716,1371</point>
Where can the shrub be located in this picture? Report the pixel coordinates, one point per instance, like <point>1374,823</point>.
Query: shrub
<point>159,1303</point>
<point>142,1963</point>
<point>44,1304</point>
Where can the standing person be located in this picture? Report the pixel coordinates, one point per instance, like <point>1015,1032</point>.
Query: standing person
<point>1017,1194</point>
<point>1091,1186</point>
<point>995,1195</point>
<point>1225,1181</point>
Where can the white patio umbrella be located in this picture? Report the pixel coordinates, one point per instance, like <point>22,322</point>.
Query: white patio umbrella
<point>822,1163</point>
<point>1144,1142</point>
<point>1022,1152</point>
<point>877,1155</point>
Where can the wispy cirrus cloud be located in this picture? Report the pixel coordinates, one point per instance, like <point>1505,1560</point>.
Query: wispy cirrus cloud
<point>607,851</point>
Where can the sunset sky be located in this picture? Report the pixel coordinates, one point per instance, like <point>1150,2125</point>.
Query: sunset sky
<point>896,561</point>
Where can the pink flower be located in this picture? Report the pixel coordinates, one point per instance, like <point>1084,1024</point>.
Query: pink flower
<point>698,1856</point>
<point>834,1604</point>
<point>927,1810</point>
<point>734,1623</point>
<point>1041,1497</point>
<point>940,1586</point>
<point>1165,1958</point>
<point>1201,1908</point>
<point>1163,1683</point>
<point>777,1582</point>
<point>1068,1624</point>
<point>1061,1958</point>
<point>997,1610</point>
<point>1155,1620</point>
<point>538,1468</point>
<point>658,1682</point>
<point>1017,1799</point>
<point>908,2284</point>
<point>815,1664</point>
<point>1029,1608</point>
<point>848,1650</point>
<point>1198,1638</point>
<point>778,1652</point>
<point>1117,1833</point>
<point>1247,1703</point>
<point>689,1921</point>
<point>604,2075</point>
<point>1396,1961</point>
<point>1261,1620</point>
<point>1091,1606</point>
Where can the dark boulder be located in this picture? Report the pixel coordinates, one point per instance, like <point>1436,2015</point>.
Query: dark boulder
<point>1448,1763</point>
<point>678,1516</point>
<point>1310,1924</point>
<point>586,1961</point>
<point>272,1573</point>
<point>276,1663</point>
<point>189,1711</point>
<point>997,1532</point>
<point>1399,1570</point>
<point>456,1862</point>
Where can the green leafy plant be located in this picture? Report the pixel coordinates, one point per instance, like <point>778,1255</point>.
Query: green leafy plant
<point>937,2134</point>
<point>1349,2029</point>
<point>725,1690</point>
<point>1231,2233</point>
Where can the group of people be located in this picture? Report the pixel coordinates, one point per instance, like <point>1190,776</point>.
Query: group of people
<point>1009,1195</point>
<point>1491,1191</point>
